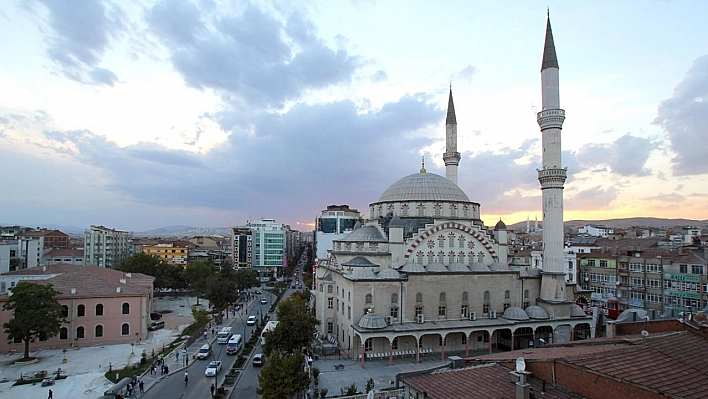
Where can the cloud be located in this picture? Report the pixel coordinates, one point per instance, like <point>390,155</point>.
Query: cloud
<point>255,57</point>
<point>467,73</point>
<point>81,34</point>
<point>592,199</point>
<point>671,198</point>
<point>684,118</point>
<point>626,156</point>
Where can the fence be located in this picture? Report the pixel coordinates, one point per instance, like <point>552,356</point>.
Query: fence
<point>391,394</point>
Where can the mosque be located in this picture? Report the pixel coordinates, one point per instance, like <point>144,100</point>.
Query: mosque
<point>423,276</point>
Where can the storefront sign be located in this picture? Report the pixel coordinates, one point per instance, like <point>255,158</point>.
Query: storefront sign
<point>693,278</point>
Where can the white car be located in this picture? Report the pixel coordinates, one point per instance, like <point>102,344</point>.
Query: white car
<point>213,368</point>
<point>264,301</point>
<point>251,321</point>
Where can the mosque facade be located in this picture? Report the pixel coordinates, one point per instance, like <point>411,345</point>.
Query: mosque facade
<point>423,276</point>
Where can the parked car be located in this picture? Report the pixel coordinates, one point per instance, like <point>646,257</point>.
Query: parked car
<point>213,368</point>
<point>258,360</point>
<point>264,301</point>
<point>155,316</point>
<point>251,321</point>
<point>258,292</point>
<point>156,325</point>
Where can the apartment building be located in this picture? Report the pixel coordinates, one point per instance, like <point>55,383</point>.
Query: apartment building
<point>105,247</point>
<point>171,252</point>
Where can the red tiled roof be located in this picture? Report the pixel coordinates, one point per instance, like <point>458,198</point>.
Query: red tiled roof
<point>488,381</point>
<point>76,253</point>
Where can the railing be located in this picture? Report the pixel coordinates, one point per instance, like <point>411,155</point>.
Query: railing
<point>394,393</point>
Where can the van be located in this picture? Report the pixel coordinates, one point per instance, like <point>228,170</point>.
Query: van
<point>234,344</point>
<point>156,325</point>
<point>204,352</point>
<point>223,336</point>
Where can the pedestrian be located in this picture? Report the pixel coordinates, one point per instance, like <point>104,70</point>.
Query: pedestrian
<point>205,335</point>
<point>141,385</point>
<point>130,390</point>
<point>186,378</point>
<point>212,332</point>
<point>51,394</point>
<point>167,370</point>
<point>212,389</point>
<point>177,355</point>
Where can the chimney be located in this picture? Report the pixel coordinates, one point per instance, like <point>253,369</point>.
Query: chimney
<point>118,290</point>
<point>73,291</point>
<point>523,388</point>
<point>610,329</point>
<point>123,280</point>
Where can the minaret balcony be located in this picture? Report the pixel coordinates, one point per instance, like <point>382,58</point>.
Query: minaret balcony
<point>551,118</point>
<point>451,158</point>
<point>552,177</point>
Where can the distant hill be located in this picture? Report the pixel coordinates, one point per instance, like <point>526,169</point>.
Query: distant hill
<point>184,231</point>
<point>624,223</point>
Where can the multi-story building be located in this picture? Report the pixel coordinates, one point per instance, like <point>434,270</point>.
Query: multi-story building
<point>105,247</point>
<point>640,279</point>
<point>65,256</point>
<point>332,224</point>
<point>268,246</point>
<point>172,252</point>
<point>101,306</point>
<point>595,231</point>
<point>685,282</point>
<point>598,275</point>
<point>241,247</point>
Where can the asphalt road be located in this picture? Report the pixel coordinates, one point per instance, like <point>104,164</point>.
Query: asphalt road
<point>173,386</point>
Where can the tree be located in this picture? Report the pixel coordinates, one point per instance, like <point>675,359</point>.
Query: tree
<point>166,276</point>
<point>295,329</point>
<point>197,275</point>
<point>283,376</point>
<point>221,289</point>
<point>36,313</point>
<point>246,278</point>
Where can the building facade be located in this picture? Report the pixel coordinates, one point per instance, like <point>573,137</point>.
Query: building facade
<point>174,252</point>
<point>105,247</point>
<point>333,223</point>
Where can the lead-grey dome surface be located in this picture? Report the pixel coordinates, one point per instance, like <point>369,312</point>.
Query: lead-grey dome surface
<point>424,187</point>
<point>373,321</point>
<point>388,274</point>
<point>576,311</point>
<point>365,234</point>
<point>515,313</point>
<point>537,312</point>
<point>359,262</point>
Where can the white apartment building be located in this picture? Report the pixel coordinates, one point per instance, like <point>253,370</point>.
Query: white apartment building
<point>105,247</point>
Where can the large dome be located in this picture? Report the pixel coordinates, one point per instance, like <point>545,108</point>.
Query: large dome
<point>424,187</point>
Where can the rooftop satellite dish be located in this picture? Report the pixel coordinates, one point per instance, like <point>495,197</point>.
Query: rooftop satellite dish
<point>645,333</point>
<point>520,364</point>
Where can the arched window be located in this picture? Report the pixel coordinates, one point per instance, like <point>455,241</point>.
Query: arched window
<point>125,309</point>
<point>507,295</point>
<point>486,296</point>
<point>465,297</point>
<point>80,311</point>
<point>419,298</point>
<point>64,311</point>
<point>330,289</point>
<point>80,332</point>
<point>99,309</point>
<point>98,331</point>
<point>394,298</point>
<point>125,329</point>
<point>526,294</point>
<point>369,299</point>
<point>63,333</point>
<point>442,297</point>
<point>321,287</point>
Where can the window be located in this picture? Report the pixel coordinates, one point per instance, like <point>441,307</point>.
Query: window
<point>63,333</point>
<point>419,298</point>
<point>80,311</point>
<point>464,339</point>
<point>683,269</point>
<point>591,262</point>
<point>125,309</point>
<point>526,294</point>
<point>349,312</point>
<point>603,263</point>
<point>394,298</point>
<point>486,296</point>
<point>99,309</point>
<point>418,311</point>
<point>636,267</point>
<point>330,303</point>
<point>125,329</point>
<point>330,327</point>
<point>321,287</point>
<point>485,309</point>
<point>368,345</point>
<point>394,312</point>
<point>98,331</point>
<point>369,299</point>
<point>330,289</point>
<point>349,296</point>
<point>507,295</point>
<point>80,332</point>
<point>464,311</point>
<point>64,311</point>
<point>653,268</point>
<point>653,298</point>
<point>394,344</point>
<point>442,312</point>
<point>465,297</point>
<point>697,269</point>
<point>442,297</point>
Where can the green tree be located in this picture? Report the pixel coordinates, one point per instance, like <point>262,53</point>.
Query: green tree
<point>201,316</point>
<point>166,275</point>
<point>295,329</point>
<point>283,376</point>
<point>197,275</point>
<point>36,313</point>
<point>246,278</point>
<point>221,289</point>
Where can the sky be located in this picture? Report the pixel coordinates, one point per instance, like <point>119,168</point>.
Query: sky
<point>143,114</point>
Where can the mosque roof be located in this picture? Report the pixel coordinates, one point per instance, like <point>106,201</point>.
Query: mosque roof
<point>450,111</point>
<point>372,321</point>
<point>458,267</point>
<point>479,267</point>
<point>550,60</point>
<point>435,267</point>
<point>413,267</point>
<point>500,225</point>
<point>537,312</point>
<point>515,313</point>
<point>359,262</point>
<point>424,187</point>
<point>362,273</point>
<point>366,234</point>
<point>388,274</point>
<point>576,311</point>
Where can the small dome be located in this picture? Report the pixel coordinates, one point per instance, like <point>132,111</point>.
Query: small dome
<point>479,267</point>
<point>396,222</point>
<point>500,225</point>
<point>424,187</point>
<point>363,273</point>
<point>458,267</point>
<point>435,267</point>
<point>388,274</point>
<point>515,313</point>
<point>365,234</point>
<point>372,321</point>
<point>537,312</point>
<point>499,267</point>
<point>357,225</point>
<point>576,311</point>
<point>413,268</point>
<point>359,262</point>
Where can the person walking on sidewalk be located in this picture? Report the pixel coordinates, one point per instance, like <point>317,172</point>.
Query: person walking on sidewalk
<point>212,389</point>
<point>141,386</point>
<point>186,378</point>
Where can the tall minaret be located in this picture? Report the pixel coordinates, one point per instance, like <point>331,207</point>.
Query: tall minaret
<point>552,176</point>
<point>451,156</point>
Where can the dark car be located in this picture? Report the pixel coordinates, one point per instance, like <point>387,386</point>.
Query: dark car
<point>258,360</point>
<point>155,316</point>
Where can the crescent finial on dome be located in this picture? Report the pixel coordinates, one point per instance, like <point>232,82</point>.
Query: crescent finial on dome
<point>422,168</point>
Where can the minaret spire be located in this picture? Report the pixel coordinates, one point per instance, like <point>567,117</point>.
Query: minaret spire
<point>552,178</point>
<point>451,156</point>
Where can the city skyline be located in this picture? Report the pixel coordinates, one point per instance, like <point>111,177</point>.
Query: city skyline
<point>147,114</point>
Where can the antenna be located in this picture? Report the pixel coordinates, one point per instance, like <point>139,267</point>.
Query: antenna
<point>645,333</point>
<point>520,364</point>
